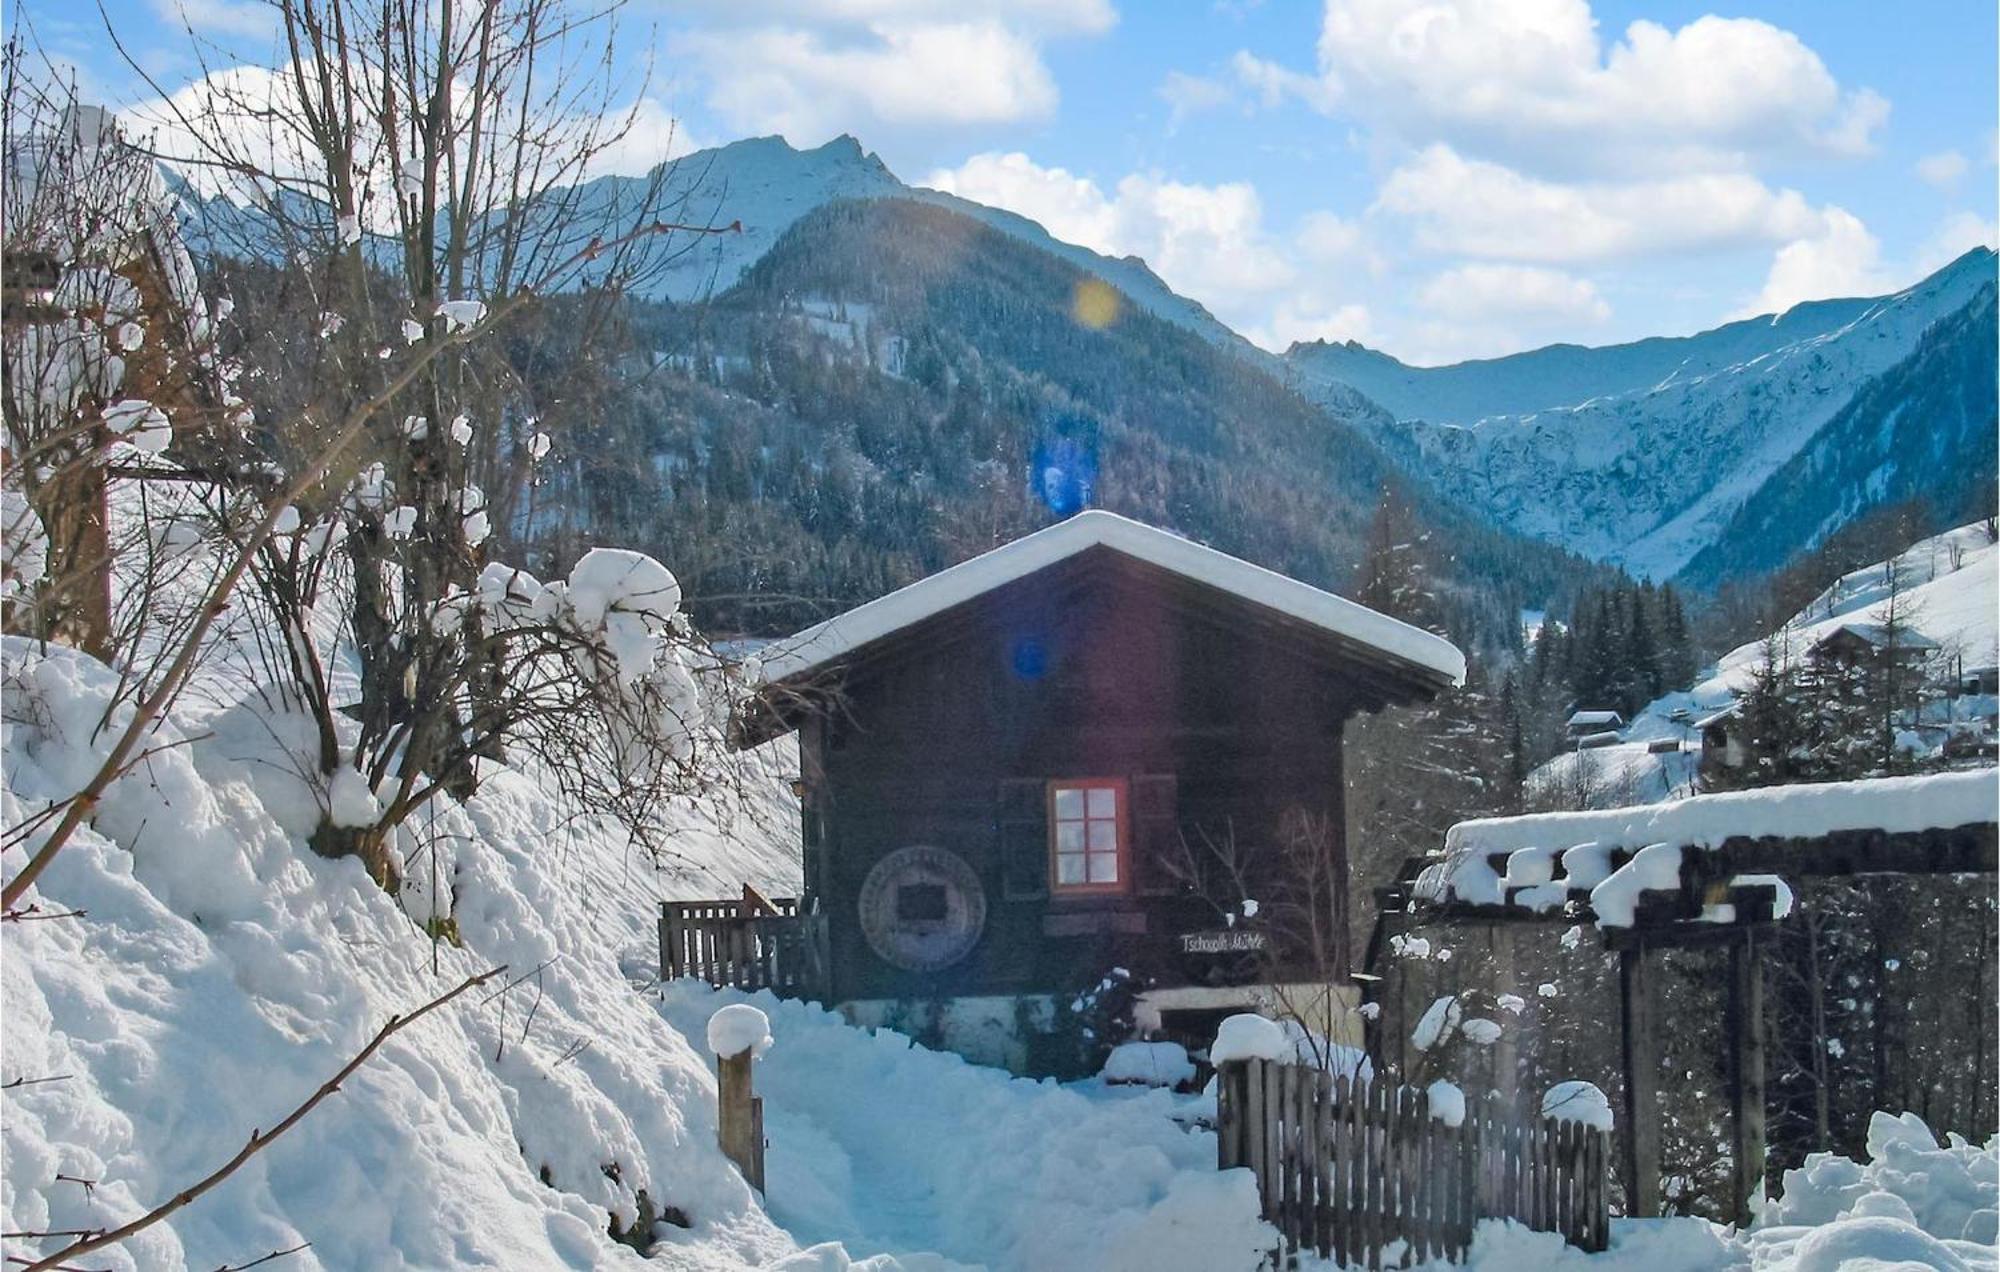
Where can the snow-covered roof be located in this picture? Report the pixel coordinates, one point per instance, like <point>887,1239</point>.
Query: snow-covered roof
<point>827,642</point>
<point>1580,718</point>
<point>1606,858</point>
<point>1729,712</point>
<point>1881,637</point>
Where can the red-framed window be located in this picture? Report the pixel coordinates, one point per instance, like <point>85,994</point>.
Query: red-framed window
<point>1090,848</point>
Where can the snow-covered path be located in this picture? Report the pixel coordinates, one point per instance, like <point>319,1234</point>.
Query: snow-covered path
<point>888,1148</point>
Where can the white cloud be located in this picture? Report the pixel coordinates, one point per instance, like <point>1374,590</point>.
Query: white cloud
<point>1270,83</point>
<point>1487,292</point>
<point>810,71</point>
<point>1532,82</point>
<point>1209,242</point>
<point>243,18</point>
<point>1187,95</point>
<point>1844,259</point>
<point>1944,169</point>
<point>1956,235</point>
<point>1483,310</point>
<point>1469,207</point>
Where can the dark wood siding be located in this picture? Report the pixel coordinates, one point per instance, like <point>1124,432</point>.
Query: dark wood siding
<point>1097,667</point>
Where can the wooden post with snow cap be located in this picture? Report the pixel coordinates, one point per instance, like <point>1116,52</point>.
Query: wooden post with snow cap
<point>738,1034</point>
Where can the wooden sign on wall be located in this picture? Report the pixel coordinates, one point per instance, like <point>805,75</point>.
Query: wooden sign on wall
<point>1224,941</point>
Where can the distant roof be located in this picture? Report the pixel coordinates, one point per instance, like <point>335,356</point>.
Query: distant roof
<point>1881,637</point>
<point>1595,717</point>
<point>825,643</point>
<point>1718,716</point>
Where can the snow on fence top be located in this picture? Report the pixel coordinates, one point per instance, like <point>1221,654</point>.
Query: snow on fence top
<point>818,645</point>
<point>1541,861</point>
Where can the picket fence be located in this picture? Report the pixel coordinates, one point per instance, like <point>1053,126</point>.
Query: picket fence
<point>1360,1171</point>
<point>751,946</point>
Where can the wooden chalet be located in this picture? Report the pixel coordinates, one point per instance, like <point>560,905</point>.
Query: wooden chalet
<point>1099,747</point>
<point>1867,644</point>
<point>1582,724</point>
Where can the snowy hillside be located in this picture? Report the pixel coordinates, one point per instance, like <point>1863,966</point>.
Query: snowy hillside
<point>1947,588</point>
<point>1641,454</point>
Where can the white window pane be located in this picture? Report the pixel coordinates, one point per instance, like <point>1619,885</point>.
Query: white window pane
<point>1069,802</point>
<point>1069,836</point>
<point>1104,836</point>
<point>1103,802</point>
<point>1104,867</point>
<point>1069,868</point>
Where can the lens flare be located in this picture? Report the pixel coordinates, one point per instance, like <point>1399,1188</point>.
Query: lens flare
<point>1095,304</point>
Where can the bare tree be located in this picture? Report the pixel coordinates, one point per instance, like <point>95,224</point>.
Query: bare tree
<point>423,170</point>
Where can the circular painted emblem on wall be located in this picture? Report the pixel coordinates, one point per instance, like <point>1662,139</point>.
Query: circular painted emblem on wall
<point>922,908</point>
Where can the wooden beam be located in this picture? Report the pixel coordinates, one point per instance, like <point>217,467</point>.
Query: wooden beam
<point>1506,1050</point>
<point>1747,1076</point>
<point>1639,1057</point>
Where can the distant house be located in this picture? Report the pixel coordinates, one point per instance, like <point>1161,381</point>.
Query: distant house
<point>1865,644</point>
<point>1723,745</point>
<point>1598,741</point>
<point>1099,747</point>
<point>1983,679</point>
<point>1583,723</point>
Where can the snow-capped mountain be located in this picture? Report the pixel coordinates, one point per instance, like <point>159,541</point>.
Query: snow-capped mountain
<point>1641,454</point>
<point>1644,455</point>
<point>767,185</point>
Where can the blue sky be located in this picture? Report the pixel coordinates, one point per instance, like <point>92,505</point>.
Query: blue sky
<point>1437,178</point>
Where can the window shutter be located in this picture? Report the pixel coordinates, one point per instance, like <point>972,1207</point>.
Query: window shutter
<point>1156,838</point>
<point>1023,824</point>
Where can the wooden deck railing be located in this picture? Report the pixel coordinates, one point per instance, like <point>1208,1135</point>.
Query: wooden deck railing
<point>1349,1167</point>
<point>747,943</point>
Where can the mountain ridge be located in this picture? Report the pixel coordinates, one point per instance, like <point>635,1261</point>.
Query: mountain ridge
<point>1650,476</point>
<point>1563,443</point>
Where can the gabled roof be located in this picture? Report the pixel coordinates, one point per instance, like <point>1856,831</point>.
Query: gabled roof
<point>1595,717</point>
<point>1907,639</point>
<point>818,647</point>
<point>1720,714</point>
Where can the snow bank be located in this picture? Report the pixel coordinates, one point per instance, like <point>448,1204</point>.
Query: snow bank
<point>1162,1064</point>
<point>738,1028</point>
<point>222,972</point>
<point>1247,1036</point>
<point>1913,1203</point>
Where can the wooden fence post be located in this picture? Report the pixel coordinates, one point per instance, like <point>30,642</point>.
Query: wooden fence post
<point>739,1126</point>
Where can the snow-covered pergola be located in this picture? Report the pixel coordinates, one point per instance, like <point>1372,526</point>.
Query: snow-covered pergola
<point>1706,870</point>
